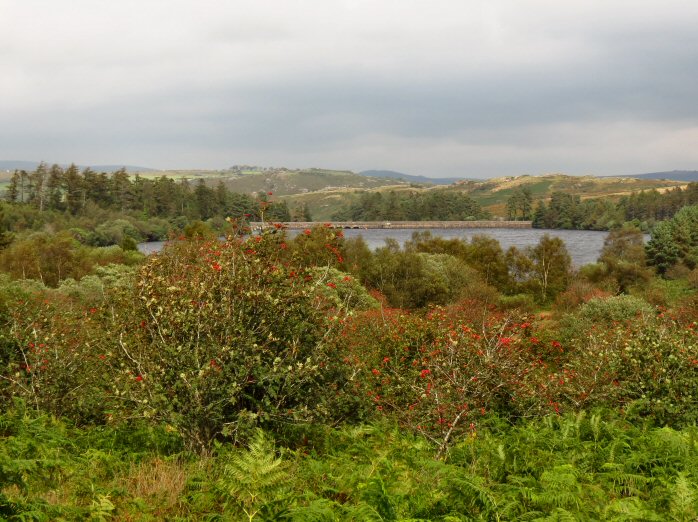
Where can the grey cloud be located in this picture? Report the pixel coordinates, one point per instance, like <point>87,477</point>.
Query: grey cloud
<point>488,87</point>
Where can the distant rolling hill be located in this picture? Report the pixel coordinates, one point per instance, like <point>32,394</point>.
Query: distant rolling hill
<point>18,165</point>
<point>285,182</point>
<point>31,165</point>
<point>391,174</point>
<point>674,175</point>
<point>493,193</point>
<point>114,168</point>
<point>326,191</point>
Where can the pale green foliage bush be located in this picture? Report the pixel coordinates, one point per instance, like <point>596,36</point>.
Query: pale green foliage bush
<point>218,338</point>
<point>93,289</point>
<point>52,258</point>
<point>341,290</point>
<point>411,279</point>
<point>198,229</point>
<point>614,308</point>
<point>523,302</point>
<point>622,353</point>
<point>113,232</point>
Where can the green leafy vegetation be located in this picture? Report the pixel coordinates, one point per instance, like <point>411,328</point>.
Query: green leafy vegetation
<point>264,377</point>
<point>641,209</point>
<point>101,209</point>
<point>434,205</point>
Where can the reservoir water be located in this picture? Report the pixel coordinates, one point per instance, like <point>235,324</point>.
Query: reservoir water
<point>584,246</point>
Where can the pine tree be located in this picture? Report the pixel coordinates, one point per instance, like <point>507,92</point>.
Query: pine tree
<point>74,186</point>
<point>53,188</point>
<point>204,198</point>
<point>12,192</point>
<point>540,215</point>
<point>37,181</point>
<point>121,191</point>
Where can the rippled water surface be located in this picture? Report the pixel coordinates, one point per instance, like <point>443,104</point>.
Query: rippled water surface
<point>583,245</point>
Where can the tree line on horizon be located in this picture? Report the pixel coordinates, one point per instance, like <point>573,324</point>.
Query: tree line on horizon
<point>567,211</point>
<point>75,191</point>
<point>434,205</point>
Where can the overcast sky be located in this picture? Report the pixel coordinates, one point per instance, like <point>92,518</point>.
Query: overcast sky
<point>471,88</point>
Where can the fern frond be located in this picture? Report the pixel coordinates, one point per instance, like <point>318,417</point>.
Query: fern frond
<point>561,488</point>
<point>254,478</point>
<point>257,468</point>
<point>361,512</point>
<point>595,423</point>
<point>621,481</point>
<point>377,496</point>
<point>629,509</point>
<point>560,515</point>
<point>475,494</point>
<point>318,510</point>
<point>683,500</point>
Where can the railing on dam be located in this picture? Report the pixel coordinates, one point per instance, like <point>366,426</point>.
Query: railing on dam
<point>300,225</point>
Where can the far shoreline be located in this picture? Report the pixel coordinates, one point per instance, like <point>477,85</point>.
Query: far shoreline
<point>366,225</point>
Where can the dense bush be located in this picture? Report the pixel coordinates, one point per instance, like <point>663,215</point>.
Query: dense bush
<point>438,374</point>
<point>675,241</point>
<point>54,343</point>
<point>599,311</point>
<point>622,354</point>
<point>218,338</point>
<point>321,245</point>
<point>413,279</point>
<point>342,292</point>
<point>523,302</point>
<point>54,353</point>
<point>578,293</point>
<point>51,258</point>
